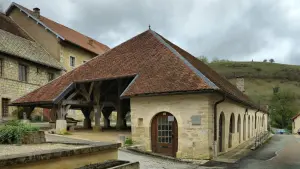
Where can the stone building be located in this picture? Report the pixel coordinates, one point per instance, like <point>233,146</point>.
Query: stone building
<point>179,106</point>
<point>69,47</point>
<point>296,124</point>
<point>24,64</point>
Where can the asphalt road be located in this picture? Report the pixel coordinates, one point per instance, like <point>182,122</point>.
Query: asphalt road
<point>280,152</point>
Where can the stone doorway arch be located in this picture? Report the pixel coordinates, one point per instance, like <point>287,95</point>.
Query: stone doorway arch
<point>239,129</point>
<point>164,134</point>
<point>231,130</point>
<point>244,128</point>
<point>221,132</point>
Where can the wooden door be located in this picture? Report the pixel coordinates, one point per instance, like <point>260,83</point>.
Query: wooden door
<point>164,132</point>
<point>5,103</point>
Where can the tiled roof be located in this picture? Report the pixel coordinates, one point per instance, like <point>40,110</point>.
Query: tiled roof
<point>26,49</point>
<point>68,34</point>
<point>10,26</point>
<point>158,66</point>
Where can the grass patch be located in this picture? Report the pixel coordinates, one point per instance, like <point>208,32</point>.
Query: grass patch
<point>261,78</point>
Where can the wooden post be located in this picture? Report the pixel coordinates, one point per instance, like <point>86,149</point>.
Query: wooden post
<point>106,114</point>
<point>120,110</point>
<point>87,123</point>
<point>97,107</point>
<point>61,123</point>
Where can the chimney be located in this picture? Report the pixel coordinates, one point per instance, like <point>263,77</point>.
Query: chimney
<point>240,84</point>
<point>36,12</point>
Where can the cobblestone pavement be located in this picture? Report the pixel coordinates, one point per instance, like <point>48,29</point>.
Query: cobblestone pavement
<point>281,152</point>
<point>151,162</point>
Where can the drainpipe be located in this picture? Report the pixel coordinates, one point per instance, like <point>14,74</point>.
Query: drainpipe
<point>256,127</point>
<point>215,123</point>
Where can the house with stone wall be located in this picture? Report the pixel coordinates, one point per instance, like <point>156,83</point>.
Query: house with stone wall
<point>24,65</point>
<point>179,106</point>
<point>69,47</point>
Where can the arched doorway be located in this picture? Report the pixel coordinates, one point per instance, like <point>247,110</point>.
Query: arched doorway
<point>252,128</point>
<point>221,132</point>
<point>244,128</point>
<point>263,123</point>
<point>231,130</point>
<point>164,134</point>
<point>239,128</point>
<point>249,126</point>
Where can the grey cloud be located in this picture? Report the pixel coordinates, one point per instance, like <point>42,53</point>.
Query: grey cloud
<point>235,30</point>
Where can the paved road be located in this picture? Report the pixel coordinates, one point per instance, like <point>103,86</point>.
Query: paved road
<point>281,152</point>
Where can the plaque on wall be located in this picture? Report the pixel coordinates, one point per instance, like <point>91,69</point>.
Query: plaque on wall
<point>196,120</point>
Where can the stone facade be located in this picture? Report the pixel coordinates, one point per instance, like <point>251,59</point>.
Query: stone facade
<point>194,141</point>
<point>36,137</point>
<point>11,88</point>
<point>59,50</point>
<point>296,125</point>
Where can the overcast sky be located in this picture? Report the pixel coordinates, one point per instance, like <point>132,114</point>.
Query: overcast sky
<point>225,29</point>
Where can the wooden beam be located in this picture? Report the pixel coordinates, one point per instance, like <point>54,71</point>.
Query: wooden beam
<point>91,88</point>
<point>76,102</point>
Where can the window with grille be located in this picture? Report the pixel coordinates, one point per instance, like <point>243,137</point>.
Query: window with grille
<point>22,73</point>
<point>1,67</point>
<point>72,61</point>
<point>164,130</point>
<point>50,76</point>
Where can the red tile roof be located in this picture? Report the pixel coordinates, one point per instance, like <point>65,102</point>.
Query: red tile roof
<point>158,66</point>
<point>68,34</point>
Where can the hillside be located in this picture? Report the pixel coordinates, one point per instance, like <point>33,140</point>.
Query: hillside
<point>261,78</point>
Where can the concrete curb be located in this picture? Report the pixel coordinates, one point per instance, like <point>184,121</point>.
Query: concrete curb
<point>187,161</point>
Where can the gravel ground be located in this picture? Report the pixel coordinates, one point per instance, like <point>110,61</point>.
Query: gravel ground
<point>151,162</point>
<point>20,149</point>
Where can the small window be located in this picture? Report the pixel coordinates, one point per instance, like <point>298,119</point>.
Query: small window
<point>72,61</point>
<point>22,73</point>
<point>50,76</point>
<point>1,67</point>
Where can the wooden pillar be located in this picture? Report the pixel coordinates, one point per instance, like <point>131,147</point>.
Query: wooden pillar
<point>97,107</point>
<point>120,110</point>
<point>106,114</point>
<point>61,123</point>
<point>87,123</point>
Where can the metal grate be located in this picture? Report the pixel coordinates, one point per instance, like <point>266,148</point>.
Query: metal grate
<point>164,130</point>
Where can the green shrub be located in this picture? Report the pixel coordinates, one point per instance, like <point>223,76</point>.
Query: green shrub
<point>13,131</point>
<point>128,141</point>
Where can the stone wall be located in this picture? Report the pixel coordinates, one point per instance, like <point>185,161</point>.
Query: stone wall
<point>296,125</point>
<point>10,86</point>
<point>37,137</point>
<point>195,141</point>
<point>228,108</point>
<point>192,139</point>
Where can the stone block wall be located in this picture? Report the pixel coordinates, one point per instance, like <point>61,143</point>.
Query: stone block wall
<point>37,137</point>
<point>229,107</point>
<point>10,86</point>
<point>193,140</point>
